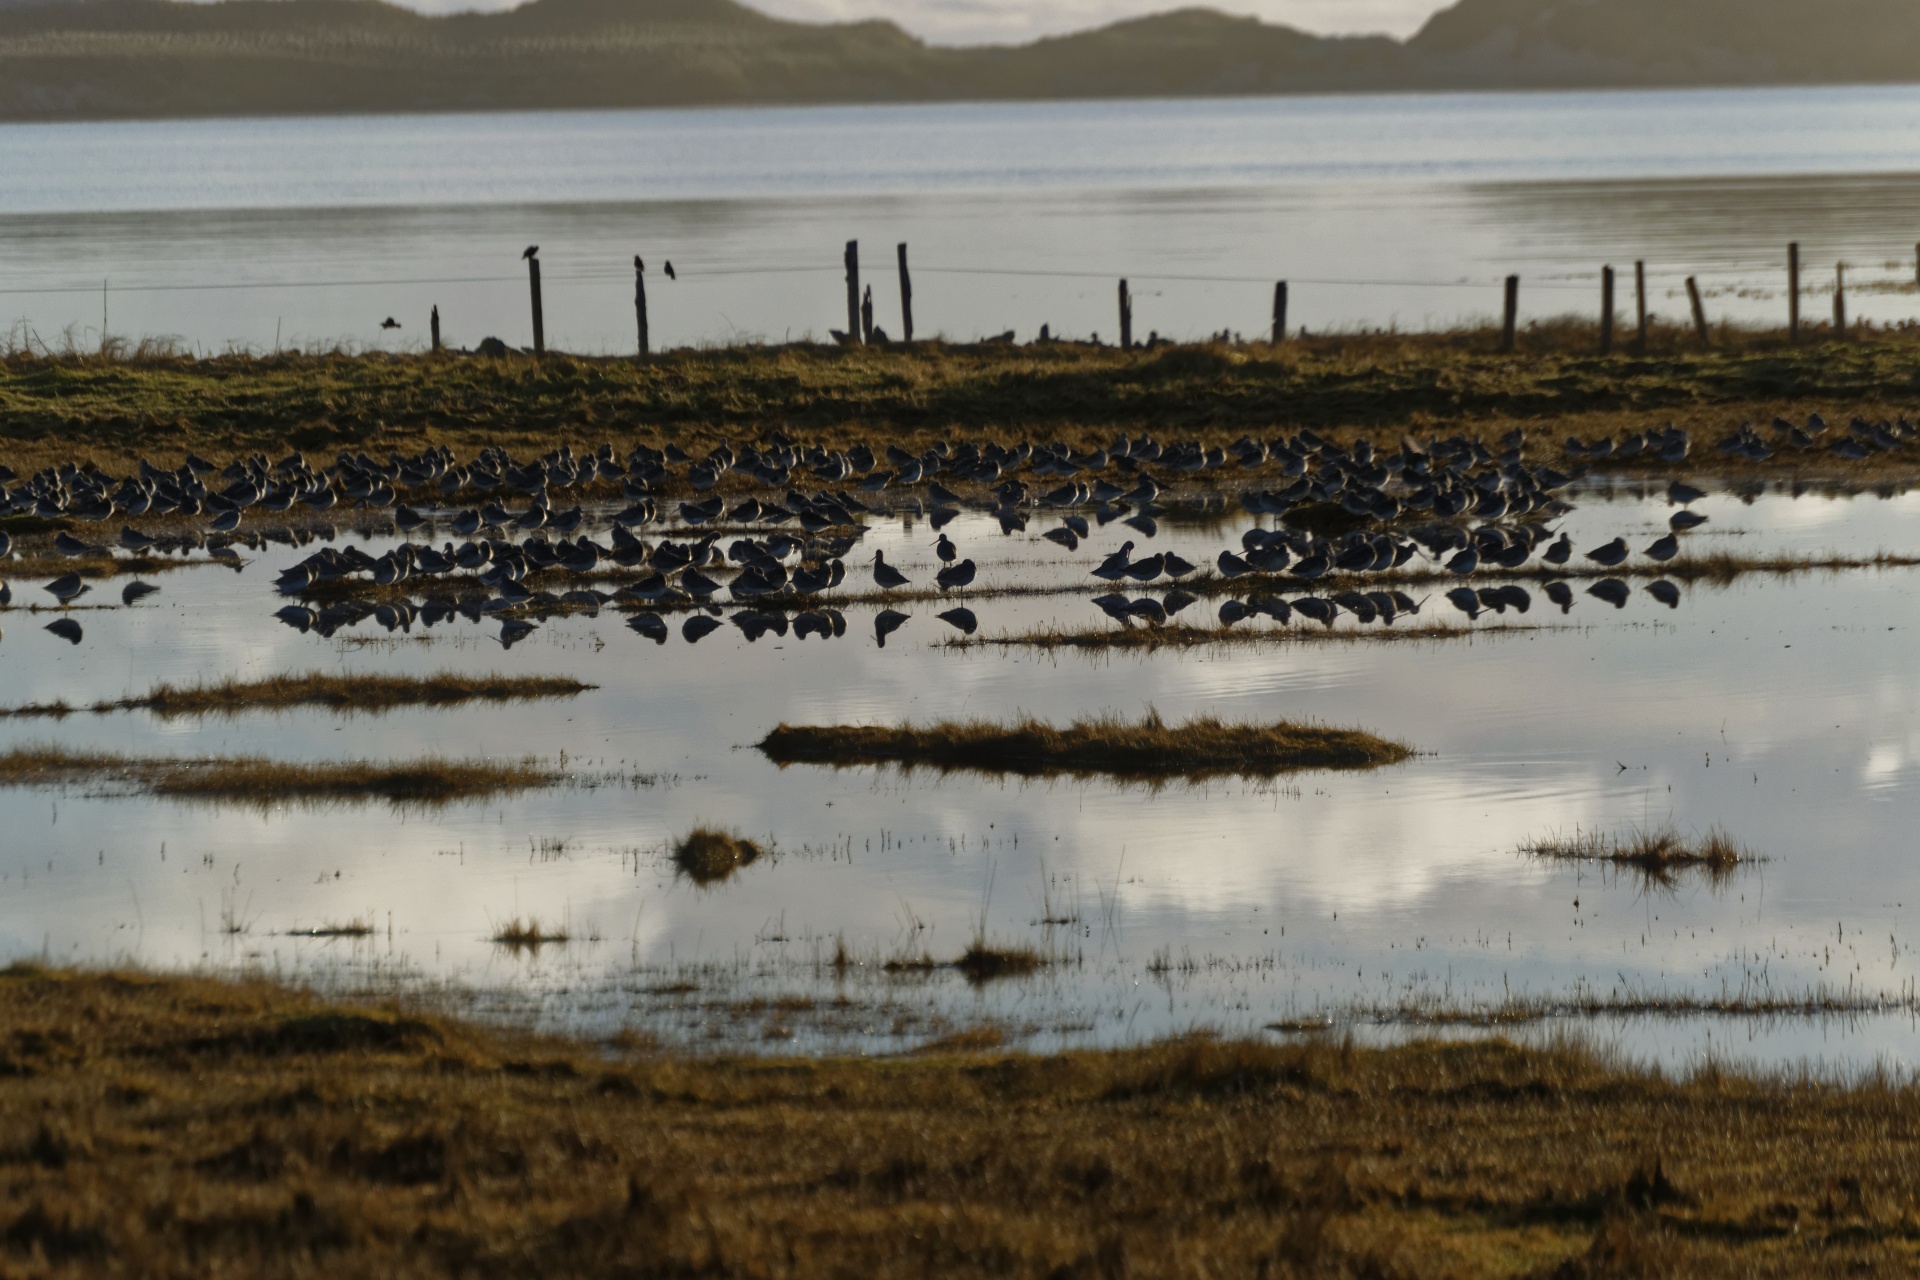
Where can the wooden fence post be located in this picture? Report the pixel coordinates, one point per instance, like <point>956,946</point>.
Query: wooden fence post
<point>539,318</point>
<point>640,303</point>
<point>1840,301</point>
<point>1640,302</point>
<point>1606,311</point>
<point>853,291</point>
<point>1699,312</point>
<point>434,322</point>
<point>1126,318</point>
<point>1512,320</point>
<point>1280,313</point>
<point>1793,292</point>
<point>906,297</point>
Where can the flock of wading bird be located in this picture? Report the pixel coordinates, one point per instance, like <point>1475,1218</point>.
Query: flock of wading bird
<point>1351,517</point>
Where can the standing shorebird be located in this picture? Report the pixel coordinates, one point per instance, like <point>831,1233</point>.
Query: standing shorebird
<point>945,549</point>
<point>885,576</point>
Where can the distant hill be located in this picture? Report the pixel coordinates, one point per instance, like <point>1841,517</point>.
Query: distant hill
<point>67,59</point>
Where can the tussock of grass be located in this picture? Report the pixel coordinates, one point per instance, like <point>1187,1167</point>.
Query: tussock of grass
<point>185,1126</point>
<point>528,935</point>
<point>1761,1004</point>
<point>982,962</point>
<point>1147,749</point>
<point>253,779</point>
<point>1246,634</point>
<point>347,929</point>
<point>707,856</point>
<point>1660,853</point>
<point>345,693</point>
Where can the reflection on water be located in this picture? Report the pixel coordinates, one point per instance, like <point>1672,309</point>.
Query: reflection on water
<point>1401,210</point>
<point>1781,709</point>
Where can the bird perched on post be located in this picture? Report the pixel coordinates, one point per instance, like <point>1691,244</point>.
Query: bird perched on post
<point>531,250</point>
<point>669,270</point>
<point>639,265</point>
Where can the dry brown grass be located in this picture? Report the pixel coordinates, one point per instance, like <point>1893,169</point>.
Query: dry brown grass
<point>344,693</point>
<point>1203,747</point>
<point>984,962</point>
<point>193,1127</point>
<point>113,411</point>
<point>529,934</point>
<point>251,779</point>
<point>1247,634</point>
<point>706,855</point>
<point>1660,853</point>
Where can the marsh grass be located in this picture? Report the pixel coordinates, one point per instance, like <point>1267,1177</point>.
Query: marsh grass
<point>115,409</point>
<point>1149,638</point>
<point>252,779</point>
<point>341,693</point>
<point>529,934</point>
<point>187,1126</point>
<point>1660,854</point>
<point>983,962</point>
<point>707,855</point>
<point>344,929</point>
<point>1147,749</point>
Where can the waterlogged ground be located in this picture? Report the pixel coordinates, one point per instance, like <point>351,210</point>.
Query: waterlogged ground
<point>1785,710</point>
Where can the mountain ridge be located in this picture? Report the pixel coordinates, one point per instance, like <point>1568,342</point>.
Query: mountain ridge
<point>73,59</point>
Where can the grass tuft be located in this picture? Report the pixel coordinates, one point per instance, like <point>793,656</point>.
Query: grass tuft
<point>707,856</point>
<point>1660,854</point>
<point>253,779</point>
<point>528,935</point>
<point>343,693</point>
<point>1148,749</point>
<point>983,962</point>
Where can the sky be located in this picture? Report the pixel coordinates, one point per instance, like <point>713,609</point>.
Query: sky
<point>1012,21</point>
<point>997,21</point>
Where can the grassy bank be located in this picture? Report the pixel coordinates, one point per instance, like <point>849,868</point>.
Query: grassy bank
<point>113,410</point>
<point>340,693</point>
<point>1149,749</point>
<point>252,780</point>
<point>183,1126</point>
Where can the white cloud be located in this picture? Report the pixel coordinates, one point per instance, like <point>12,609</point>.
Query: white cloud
<point>1004,21</point>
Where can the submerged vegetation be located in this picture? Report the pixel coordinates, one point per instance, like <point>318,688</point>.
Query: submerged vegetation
<point>706,855</point>
<point>1660,854</point>
<point>188,1126</point>
<point>529,934</point>
<point>345,693</point>
<point>1203,747</point>
<point>253,779</point>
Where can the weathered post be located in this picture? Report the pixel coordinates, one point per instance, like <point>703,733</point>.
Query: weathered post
<point>435,325</point>
<point>640,303</point>
<point>1699,312</point>
<point>853,291</point>
<point>1840,301</point>
<point>1512,320</point>
<point>1126,318</point>
<point>532,255</point>
<point>1640,303</point>
<point>866,315</point>
<point>1793,292</point>
<point>1280,313</point>
<point>1606,311</point>
<point>906,298</point>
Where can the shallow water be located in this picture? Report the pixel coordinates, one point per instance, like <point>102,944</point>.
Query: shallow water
<point>1778,708</point>
<point>1404,210</point>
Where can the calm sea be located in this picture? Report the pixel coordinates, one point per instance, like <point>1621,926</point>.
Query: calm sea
<point>1379,210</point>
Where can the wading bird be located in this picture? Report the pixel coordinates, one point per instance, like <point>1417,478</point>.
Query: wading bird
<point>885,576</point>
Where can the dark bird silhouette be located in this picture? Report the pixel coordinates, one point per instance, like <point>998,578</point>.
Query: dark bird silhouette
<point>389,323</point>
<point>669,270</point>
<point>531,250</point>
<point>637,264</point>
<point>945,549</point>
<point>955,575</point>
